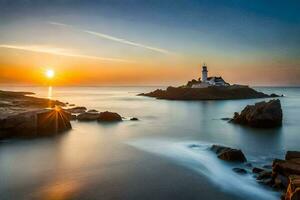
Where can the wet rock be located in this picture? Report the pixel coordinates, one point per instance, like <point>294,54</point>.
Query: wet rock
<point>88,116</point>
<point>229,154</point>
<point>239,170</point>
<point>261,115</point>
<point>257,170</point>
<point>293,190</point>
<point>78,109</point>
<point>134,119</point>
<point>280,182</point>
<point>292,155</point>
<point>264,175</point>
<point>109,117</point>
<point>286,167</point>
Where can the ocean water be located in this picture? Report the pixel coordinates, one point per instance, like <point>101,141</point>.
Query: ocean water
<point>164,155</point>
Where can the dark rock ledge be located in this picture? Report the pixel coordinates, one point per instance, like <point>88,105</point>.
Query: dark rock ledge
<point>38,123</point>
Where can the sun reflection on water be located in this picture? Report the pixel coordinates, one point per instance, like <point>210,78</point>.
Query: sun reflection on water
<point>49,92</point>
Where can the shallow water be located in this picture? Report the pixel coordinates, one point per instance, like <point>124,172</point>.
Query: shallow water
<point>146,159</point>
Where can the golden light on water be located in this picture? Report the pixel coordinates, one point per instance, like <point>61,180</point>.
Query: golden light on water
<point>49,92</point>
<point>50,73</point>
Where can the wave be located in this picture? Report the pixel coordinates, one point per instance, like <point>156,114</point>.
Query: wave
<point>196,156</point>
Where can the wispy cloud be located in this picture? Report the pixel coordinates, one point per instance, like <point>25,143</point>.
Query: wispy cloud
<point>58,51</point>
<point>116,39</point>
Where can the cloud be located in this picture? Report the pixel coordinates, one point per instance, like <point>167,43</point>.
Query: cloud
<point>116,39</point>
<point>58,51</point>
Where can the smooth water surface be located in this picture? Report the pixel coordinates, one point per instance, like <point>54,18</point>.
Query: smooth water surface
<point>151,158</point>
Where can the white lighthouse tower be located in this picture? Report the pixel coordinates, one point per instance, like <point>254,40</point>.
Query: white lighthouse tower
<point>204,73</point>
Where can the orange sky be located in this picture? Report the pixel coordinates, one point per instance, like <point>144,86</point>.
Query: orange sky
<point>23,67</point>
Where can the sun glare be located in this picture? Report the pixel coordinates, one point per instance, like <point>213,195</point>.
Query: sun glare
<point>50,73</point>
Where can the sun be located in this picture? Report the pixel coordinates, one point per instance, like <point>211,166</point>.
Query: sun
<point>50,73</point>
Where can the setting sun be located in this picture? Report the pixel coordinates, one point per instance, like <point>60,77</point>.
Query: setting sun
<point>50,73</point>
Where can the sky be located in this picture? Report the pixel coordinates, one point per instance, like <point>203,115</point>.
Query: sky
<point>153,42</point>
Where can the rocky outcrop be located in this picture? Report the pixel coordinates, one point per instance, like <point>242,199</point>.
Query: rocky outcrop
<point>209,93</point>
<point>285,175</point>
<point>77,109</point>
<point>88,116</point>
<point>261,115</point>
<point>229,154</point>
<point>43,122</point>
<point>293,190</point>
<point>109,117</point>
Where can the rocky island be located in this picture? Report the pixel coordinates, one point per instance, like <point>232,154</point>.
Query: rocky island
<point>209,88</point>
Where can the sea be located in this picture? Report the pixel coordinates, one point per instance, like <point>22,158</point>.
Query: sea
<point>163,155</point>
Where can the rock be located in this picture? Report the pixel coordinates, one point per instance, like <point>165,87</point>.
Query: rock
<point>88,116</point>
<point>293,190</point>
<point>93,111</point>
<point>134,119</point>
<point>229,154</point>
<point>261,115</point>
<point>109,116</point>
<point>292,155</point>
<point>219,148</point>
<point>264,175</point>
<point>78,109</point>
<point>257,170</point>
<point>226,118</point>
<point>37,123</point>
<point>239,170</point>
<point>280,182</point>
<point>286,167</point>
<point>274,95</point>
<point>233,155</point>
<point>73,117</point>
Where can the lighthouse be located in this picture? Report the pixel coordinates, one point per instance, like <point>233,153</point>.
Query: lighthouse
<point>204,73</point>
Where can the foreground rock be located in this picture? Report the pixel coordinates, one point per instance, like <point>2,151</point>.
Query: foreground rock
<point>261,115</point>
<point>285,175</point>
<point>109,117</point>
<point>293,191</point>
<point>229,154</point>
<point>209,93</point>
<point>43,122</point>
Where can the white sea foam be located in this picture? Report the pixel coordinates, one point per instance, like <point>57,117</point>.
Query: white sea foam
<point>197,157</point>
